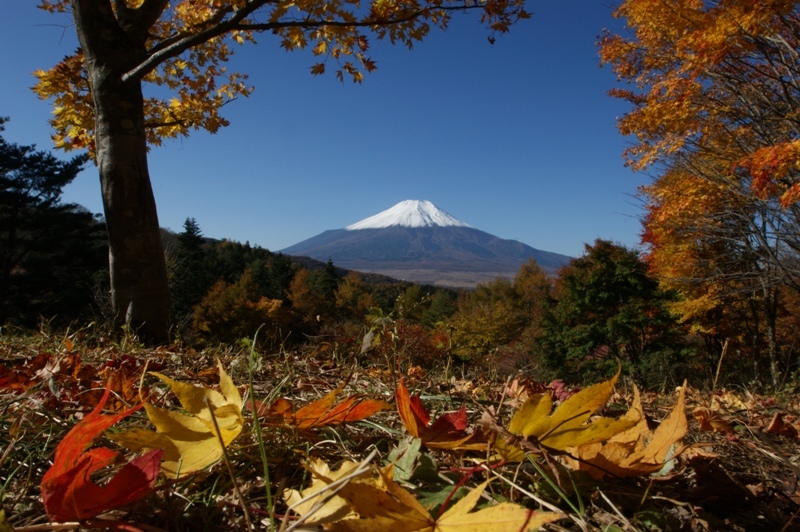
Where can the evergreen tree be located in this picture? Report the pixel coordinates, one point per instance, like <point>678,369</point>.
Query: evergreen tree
<point>49,251</point>
<point>191,278</point>
<point>606,308</point>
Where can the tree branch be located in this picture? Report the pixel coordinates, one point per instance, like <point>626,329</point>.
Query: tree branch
<point>183,42</point>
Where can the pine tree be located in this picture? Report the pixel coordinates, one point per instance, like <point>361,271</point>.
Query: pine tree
<point>49,251</point>
<point>191,278</point>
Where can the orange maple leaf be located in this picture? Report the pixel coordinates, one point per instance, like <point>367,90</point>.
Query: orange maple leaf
<point>447,432</point>
<point>322,412</point>
<point>68,492</point>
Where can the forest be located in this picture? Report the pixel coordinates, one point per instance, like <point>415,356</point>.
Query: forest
<point>153,380</point>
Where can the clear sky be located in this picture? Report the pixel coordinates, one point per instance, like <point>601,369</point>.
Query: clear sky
<point>517,139</point>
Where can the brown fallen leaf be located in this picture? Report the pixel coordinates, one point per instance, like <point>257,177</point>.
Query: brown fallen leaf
<point>711,420</point>
<point>636,451</point>
<point>449,431</point>
<point>569,425</point>
<point>778,425</point>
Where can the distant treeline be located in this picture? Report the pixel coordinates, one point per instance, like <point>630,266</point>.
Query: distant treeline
<point>604,309</point>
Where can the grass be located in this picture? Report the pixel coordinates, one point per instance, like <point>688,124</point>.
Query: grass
<point>746,480</point>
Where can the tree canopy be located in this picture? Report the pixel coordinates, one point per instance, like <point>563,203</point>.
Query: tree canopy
<point>180,49</point>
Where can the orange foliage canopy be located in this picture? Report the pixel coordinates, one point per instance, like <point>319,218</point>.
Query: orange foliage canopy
<point>717,78</point>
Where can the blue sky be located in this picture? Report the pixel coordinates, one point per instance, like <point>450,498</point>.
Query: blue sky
<point>517,138</point>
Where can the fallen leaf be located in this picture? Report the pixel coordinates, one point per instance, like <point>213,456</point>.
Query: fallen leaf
<point>67,490</point>
<point>190,442</point>
<point>635,451</point>
<point>323,506</point>
<point>779,426</point>
<point>728,401</point>
<point>568,425</point>
<point>447,432</point>
<point>380,503</point>
<point>322,412</point>
<point>711,420</point>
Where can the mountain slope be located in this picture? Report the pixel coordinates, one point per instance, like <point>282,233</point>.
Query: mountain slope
<point>416,241</point>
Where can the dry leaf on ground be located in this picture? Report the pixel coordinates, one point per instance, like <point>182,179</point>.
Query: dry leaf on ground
<point>322,507</point>
<point>379,503</point>
<point>67,490</point>
<point>449,431</point>
<point>711,420</point>
<point>190,442</point>
<point>636,451</point>
<point>322,412</point>
<point>569,424</point>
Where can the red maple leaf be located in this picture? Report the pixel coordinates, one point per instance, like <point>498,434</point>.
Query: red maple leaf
<point>68,492</point>
<point>447,432</point>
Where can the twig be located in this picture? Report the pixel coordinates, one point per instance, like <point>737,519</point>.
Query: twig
<point>616,510</point>
<point>719,364</point>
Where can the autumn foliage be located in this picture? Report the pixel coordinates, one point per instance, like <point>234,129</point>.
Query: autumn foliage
<point>714,90</point>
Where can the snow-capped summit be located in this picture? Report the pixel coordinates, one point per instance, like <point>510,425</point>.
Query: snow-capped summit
<point>409,213</point>
<point>417,242</point>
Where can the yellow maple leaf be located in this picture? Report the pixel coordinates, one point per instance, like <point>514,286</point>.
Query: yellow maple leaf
<point>379,503</point>
<point>568,425</point>
<point>637,451</point>
<point>190,442</point>
<point>316,502</point>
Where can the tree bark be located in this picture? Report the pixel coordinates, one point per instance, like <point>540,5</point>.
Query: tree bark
<point>139,288</point>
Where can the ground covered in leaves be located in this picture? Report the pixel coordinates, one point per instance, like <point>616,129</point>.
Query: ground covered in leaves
<point>416,443</point>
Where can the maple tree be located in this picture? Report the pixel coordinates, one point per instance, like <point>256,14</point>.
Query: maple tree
<point>714,243</point>
<point>715,91</point>
<point>181,47</point>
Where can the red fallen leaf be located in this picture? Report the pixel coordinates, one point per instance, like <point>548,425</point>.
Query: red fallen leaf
<point>447,432</point>
<point>779,426</point>
<point>322,412</point>
<point>67,490</point>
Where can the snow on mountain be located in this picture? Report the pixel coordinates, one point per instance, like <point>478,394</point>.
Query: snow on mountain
<point>409,213</point>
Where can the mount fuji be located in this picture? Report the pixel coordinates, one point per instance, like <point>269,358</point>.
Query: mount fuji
<point>416,241</point>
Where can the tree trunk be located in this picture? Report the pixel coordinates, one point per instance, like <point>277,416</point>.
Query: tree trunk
<point>139,289</point>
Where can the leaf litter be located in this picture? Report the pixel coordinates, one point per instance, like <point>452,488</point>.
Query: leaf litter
<point>575,462</point>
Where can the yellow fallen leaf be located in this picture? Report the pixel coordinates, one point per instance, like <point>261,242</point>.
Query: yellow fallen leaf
<point>190,442</point>
<point>568,425</point>
<point>636,451</point>
<point>334,508</point>
<point>382,504</point>
<point>728,401</point>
